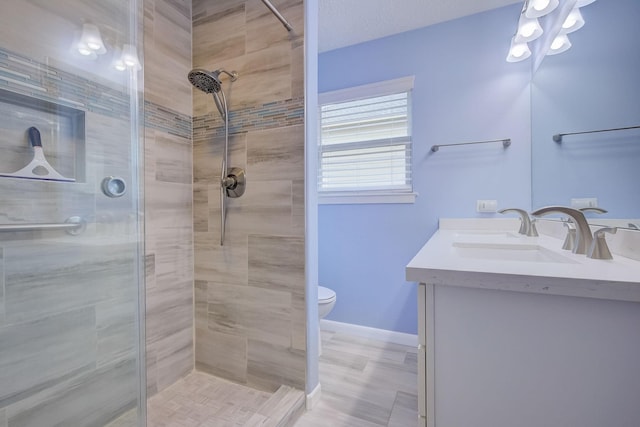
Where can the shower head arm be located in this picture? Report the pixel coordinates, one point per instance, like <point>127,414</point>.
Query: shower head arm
<point>232,74</point>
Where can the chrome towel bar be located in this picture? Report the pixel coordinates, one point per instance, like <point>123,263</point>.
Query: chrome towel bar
<point>73,225</point>
<point>505,143</point>
<point>558,137</point>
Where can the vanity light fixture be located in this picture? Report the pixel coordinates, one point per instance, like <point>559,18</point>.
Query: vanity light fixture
<point>529,28</point>
<point>519,51</point>
<point>538,8</point>
<point>560,44</point>
<point>574,21</point>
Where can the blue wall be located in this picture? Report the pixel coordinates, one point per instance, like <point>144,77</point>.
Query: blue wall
<point>594,85</point>
<point>464,91</point>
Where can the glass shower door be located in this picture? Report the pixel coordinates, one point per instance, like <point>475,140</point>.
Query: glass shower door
<point>70,215</point>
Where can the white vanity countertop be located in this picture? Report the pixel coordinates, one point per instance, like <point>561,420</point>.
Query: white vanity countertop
<point>439,262</point>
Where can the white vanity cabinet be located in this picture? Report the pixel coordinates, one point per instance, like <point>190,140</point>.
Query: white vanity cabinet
<point>501,349</point>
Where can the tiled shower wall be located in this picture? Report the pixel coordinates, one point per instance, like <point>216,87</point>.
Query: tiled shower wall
<point>249,296</point>
<point>168,192</point>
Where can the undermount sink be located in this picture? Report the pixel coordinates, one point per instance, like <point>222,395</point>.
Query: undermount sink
<point>521,252</point>
<point>485,234</point>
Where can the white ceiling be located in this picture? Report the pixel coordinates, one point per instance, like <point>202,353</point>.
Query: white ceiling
<point>347,22</point>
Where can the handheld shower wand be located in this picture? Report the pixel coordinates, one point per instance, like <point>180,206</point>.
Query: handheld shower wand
<point>233,181</point>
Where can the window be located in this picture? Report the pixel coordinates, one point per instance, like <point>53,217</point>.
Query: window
<point>365,144</point>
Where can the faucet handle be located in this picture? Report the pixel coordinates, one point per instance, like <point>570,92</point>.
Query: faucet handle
<point>599,248</point>
<point>570,239</point>
<point>533,231</point>
<point>594,209</point>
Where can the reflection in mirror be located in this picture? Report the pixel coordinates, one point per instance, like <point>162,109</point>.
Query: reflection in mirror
<point>595,85</point>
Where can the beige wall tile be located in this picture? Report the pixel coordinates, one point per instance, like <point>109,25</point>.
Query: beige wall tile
<point>277,262</point>
<point>1,287</point>
<point>207,156</point>
<point>276,153</point>
<point>299,320</point>
<point>200,208</point>
<point>221,354</point>
<point>167,56</point>
<point>223,264</point>
<point>205,8</point>
<point>263,76</point>
<point>200,303</point>
<point>298,208</point>
<point>116,325</point>
<point>175,357</point>
<point>151,369</point>
<point>265,208</point>
<point>220,36</point>
<point>173,158</point>
<point>61,346</point>
<point>265,30</point>
<point>271,365</point>
<point>270,215</point>
<point>259,314</point>
<point>168,205</point>
<point>297,70</point>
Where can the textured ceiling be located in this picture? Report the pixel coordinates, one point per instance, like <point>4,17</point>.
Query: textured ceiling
<point>347,22</point>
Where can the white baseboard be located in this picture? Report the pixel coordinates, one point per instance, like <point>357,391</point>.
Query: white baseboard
<point>371,333</point>
<point>314,397</point>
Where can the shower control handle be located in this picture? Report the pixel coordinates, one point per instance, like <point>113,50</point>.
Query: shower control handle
<point>235,183</point>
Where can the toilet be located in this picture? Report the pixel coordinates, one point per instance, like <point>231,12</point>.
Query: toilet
<point>326,301</point>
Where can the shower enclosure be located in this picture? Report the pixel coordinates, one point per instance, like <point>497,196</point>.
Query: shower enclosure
<point>70,242</point>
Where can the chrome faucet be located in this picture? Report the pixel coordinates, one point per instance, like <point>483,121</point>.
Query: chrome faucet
<point>570,238</point>
<point>527,226</point>
<point>583,232</point>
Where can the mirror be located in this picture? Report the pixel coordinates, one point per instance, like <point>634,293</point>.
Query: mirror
<point>593,86</point>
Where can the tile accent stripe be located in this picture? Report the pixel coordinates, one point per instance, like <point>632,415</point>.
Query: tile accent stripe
<point>167,120</point>
<point>266,116</point>
<point>21,74</point>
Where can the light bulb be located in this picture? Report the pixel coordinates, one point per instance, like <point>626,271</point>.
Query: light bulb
<point>92,39</point>
<point>538,8</point>
<point>84,50</point>
<point>573,22</point>
<point>560,44</point>
<point>130,57</point>
<point>540,4</point>
<point>528,29</point>
<point>518,51</point>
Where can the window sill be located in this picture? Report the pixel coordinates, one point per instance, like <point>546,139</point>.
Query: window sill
<point>364,198</point>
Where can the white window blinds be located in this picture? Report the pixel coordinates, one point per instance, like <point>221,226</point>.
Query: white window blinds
<point>365,143</point>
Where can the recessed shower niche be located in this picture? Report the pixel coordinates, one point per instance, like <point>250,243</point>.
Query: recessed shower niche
<point>61,131</point>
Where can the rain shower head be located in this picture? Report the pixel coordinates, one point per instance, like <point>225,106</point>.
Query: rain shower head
<point>209,81</point>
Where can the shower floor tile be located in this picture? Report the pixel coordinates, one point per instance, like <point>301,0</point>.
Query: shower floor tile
<point>202,400</point>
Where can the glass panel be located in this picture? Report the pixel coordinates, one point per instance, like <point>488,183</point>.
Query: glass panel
<point>70,352</point>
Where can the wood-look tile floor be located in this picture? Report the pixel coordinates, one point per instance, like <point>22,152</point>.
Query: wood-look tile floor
<point>365,383</point>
